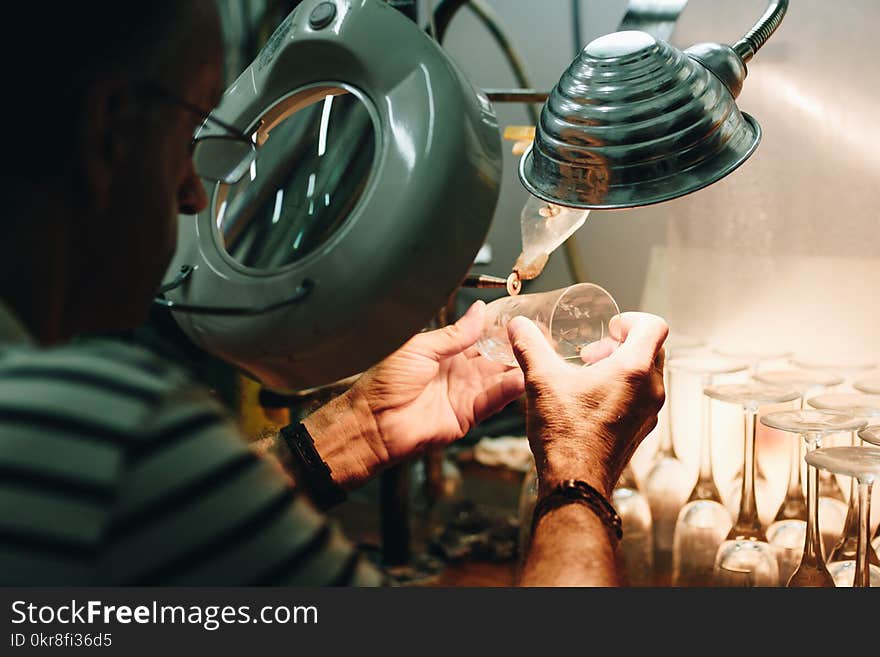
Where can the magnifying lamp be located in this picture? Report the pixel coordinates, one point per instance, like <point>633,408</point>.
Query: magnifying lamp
<point>635,121</point>
<point>374,181</point>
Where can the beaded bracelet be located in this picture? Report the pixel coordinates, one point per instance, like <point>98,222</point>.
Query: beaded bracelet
<point>573,490</point>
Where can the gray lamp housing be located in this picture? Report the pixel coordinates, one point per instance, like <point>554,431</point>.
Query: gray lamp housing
<point>635,121</point>
<point>407,242</point>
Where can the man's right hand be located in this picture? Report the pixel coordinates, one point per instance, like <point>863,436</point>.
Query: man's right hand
<point>586,422</point>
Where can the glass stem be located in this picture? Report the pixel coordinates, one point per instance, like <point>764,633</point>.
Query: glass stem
<point>748,525</point>
<point>813,542</point>
<point>863,573</point>
<point>667,447</point>
<point>795,482</point>
<point>851,524</point>
<point>794,506</point>
<point>705,488</point>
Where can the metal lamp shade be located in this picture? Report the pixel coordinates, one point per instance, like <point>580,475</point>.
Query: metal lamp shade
<point>635,121</point>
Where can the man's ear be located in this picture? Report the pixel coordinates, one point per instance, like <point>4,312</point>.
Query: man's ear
<point>103,135</point>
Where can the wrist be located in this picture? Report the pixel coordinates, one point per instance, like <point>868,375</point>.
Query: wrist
<point>347,439</point>
<point>555,468</point>
<point>579,492</point>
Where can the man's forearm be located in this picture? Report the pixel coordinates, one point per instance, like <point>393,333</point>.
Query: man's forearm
<point>571,547</point>
<point>346,438</point>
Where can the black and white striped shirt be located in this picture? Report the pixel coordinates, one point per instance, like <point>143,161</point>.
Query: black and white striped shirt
<point>116,469</point>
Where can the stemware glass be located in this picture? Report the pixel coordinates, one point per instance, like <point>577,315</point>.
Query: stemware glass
<point>871,434</point>
<point>637,544</point>
<point>842,554</point>
<point>704,521</point>
<point>812,424</point>
<point>871,385</point>
<point>787,531</point>
<point>759,359</point>
<point>850,368</point>
<point>833,505</point>
<point>666,484</point>
<point>745,549</point>
<point>862,463</point>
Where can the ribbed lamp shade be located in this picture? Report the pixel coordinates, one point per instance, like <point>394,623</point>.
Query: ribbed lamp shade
<point>635,121</point>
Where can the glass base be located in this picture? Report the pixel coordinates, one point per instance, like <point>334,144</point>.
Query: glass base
<point>637,544</point>
<point>701,528</point>
<point>787,538</point>
<point>843,572</point>
<point>811,576</point>
<point>832,518</point>
<point>666,487</point>
<point>746,563</point>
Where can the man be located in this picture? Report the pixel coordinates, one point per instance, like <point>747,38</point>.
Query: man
<point>116,468</point>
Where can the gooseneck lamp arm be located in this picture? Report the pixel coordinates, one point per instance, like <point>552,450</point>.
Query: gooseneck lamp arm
<point>758,35</point>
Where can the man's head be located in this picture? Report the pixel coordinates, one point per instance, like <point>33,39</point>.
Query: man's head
<point>104,162</point>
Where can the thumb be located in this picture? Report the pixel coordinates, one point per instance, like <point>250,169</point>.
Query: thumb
<point>455,338</point>
<point>530,346</point>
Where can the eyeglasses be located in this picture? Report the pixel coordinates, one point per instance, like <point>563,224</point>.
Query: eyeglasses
<point>223,158</point>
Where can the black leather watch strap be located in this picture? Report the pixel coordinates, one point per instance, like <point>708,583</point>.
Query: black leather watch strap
<point>312,472</point>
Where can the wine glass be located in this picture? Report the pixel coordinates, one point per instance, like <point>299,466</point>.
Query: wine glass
<point>871,434</point>
<point>862,463</point>
<point>666,483</point>
<point>813,425</point>
<point>850,368</point>
<point>842,555</point>
<point>704,521</point>
<point>870,385</point>
<point>637,544</point>
<point>787,531</point>
<point>745,549</point>
<point>759,359</point>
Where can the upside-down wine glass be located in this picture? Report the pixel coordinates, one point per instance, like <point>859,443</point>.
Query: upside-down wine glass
<point>788,529</point>
<point>666,484</point>
<point>813,425</point>
<point>637,544</point>
<point>745,557</point>
<point>862,463</point>
<point>841,558</point>
<point>871,385</point>
<point>759,359</point>
<point>703,522</point>
<point>833,505</point>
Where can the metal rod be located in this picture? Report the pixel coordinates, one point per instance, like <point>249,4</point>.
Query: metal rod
<point>394,514</point>
<point>486,15</point>
<point>512,283</point>
<point>517,95</point>
<point>484,281</point>
<point>758,35</point>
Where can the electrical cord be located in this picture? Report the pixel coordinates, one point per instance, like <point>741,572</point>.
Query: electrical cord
<point>487,16</point>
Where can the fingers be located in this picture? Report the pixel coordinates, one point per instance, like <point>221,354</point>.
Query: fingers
<point>455,338</point>
<point>643,336</point>
<point>530,346</point>
<point>499,392</point>
<point>596,351</point>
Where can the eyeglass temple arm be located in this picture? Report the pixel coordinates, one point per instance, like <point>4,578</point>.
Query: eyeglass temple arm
<point>186,271</point>
<point>758,35</point>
